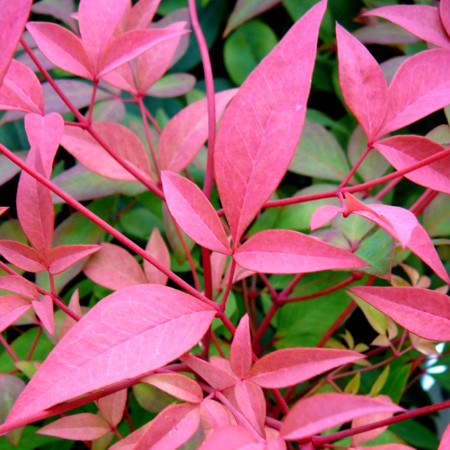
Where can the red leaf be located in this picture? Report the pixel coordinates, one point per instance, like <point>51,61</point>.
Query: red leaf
<point>12,22</point>
<point>158,249</point>
<point>260,130</point>
<point>78,427</point>
<point>361,438</point>
<point>290,366</point>
<point>94,157</point>
<point>74,305</point>
<point>119,338</point>
<point>62,48</point>
<point>421,311</point>
<point>444,11</point>
<point>323,215</point>
<point>321,412</point>
<point>65,256</point>
<point>241,349</point>
<point>194,213</point>
<point>112,406</point>
<point>404,151</point>
<point>22,256</point>
<point>97,20</point>
<point>103,268</point>
<point>44,310</point>
<point>3,209</point>
<point>216,414</point>
<point>232,437</point>
<point>171,428</point>
<point>286,251</point>
<point>21,90</point>
<point>362,83</point>
<point>45,133</point>
<point>421,20</point>
<point>413,97</point>
<point>141,14</point>
<point>180,386</point>
<point>11,309</point>
<point>19,285</point>
<point>187,131</point>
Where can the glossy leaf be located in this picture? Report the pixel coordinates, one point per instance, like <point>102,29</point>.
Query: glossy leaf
<point>157,248</point>
<point>194,213</point>
<point>186,132</point>
<point>241,349</point>
<point>362,83</point>
<point>65,256</point>
<point>262,126</point>
<point>285,251</point>
<point>421,311</point>
<point>404,151</point>
<point>113,406</point>
<point>291,366</point>
<point>321,412</point>
<point>11,309</point>
<point>103,268</point>
<point>77,427</point>
<point>12,22</point>
<point>102,339</point>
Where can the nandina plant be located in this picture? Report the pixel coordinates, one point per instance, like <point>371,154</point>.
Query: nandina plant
<point>157,294</point>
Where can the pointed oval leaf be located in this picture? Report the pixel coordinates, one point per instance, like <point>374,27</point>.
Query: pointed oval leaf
<point>21,90</point>
<point>186,132</point>
<point>44,310</point>
<point>104,268</point>
<point>233,436</point>
<point>180,386</point>
<point>22,256</point>
<point>172,85</point>
<point>404,151</point>
<point>19,285</point>
<point>290,366</point>
<point>119,338</point>
<point>285,251</point>
<point>158,249</point>
<point>260,130</point>
<point>112,406</point>
<point>421,20</point>
<point>62,48</point>
<point>94,157</point>
<point>11,309</point>
<point>12,22</point>
<point>421,311</point>
<point>194,213</point>
<point>65,256</point>
<point>321,412</point>
<point>362,83</point>
<point>241,349</point>
<point>141,14</point>
<point>216,414</point>
<point>69,322</point>
<point>78,427</point>
<point>413,97</point>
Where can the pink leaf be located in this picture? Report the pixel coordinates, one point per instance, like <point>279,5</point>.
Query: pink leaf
<point>413,97</point>
<point>445,441</point>
<point>171,428</point>
<point>3,209</point>
<point>241,349</point>
<point>65,256</point>
<point>19,285</point>
<point>44,310</point>
<point>421,311</point>
<point>322,215</point>
<point>131,44</point>
<point>232,437</point>
<point>78,427</point>
<point>62,48</point>
<point>321,412</point>
<point>141,14</point>
<point>260,130</point>
<point>112,406</point>
<point>11,309</point>
<point>45,133</point>
<point>421,20</point>
<point>186,132</point>
<point>290,366</point>
<point>74,305</point>
<point>180,386</point>
<point>361,438</point>
<point>216,414</point>
<point>12,22</point>
<point>103,268</point>
<point>286,251</point>
<point>404,151</point>
<point>213,375</point>
<point>94,157</point>
<point>403,226</point>
<point>97,20</point>
<point>172,85</point>
<point>22,256</point>
<point>129,443</point>
<point>444,11</point>
<point>362,83</point>
<point>157,248</point>
<point>97,350</point>
<point>21,90</point>
<point>35,207</point>
<point>194,213</point>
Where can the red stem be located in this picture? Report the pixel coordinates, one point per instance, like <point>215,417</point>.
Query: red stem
<point>265,323</point>
<point>423,201</point>
<point>91,106</point>
<point>8,349</point>
<point>223,305</point>
<point>337,323</point>
<point>356,166</point>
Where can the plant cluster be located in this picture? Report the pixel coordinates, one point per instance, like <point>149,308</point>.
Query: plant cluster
<point>164,282</point>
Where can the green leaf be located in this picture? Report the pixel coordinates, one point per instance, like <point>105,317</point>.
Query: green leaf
<point>139,223</point>
<point>416,435</point>
<point>246,47</point>
<point>396,382</point>
<point>436,218</point>
<point>380,382</point>
<point>353,385</point>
